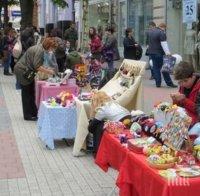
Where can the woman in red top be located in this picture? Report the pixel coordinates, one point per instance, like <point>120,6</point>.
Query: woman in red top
<point>95,44</point>
<point>188,96</point>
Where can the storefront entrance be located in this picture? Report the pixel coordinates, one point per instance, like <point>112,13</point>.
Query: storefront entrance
<point>140,13</point>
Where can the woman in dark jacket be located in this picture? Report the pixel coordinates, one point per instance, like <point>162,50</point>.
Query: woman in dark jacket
<point>32,61</point>
<point>110,48</point>
<point>129,45</point>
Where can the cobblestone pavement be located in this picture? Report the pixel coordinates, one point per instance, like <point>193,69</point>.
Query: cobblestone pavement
<point>28,168</point>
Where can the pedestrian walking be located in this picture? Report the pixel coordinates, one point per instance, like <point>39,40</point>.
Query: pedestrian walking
<point>8,44</point>
<point>158,47</point>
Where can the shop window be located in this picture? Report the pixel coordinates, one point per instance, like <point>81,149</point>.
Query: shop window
<point>140,13</point>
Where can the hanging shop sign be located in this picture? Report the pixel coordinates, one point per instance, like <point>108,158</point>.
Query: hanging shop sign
<point>189,11</point>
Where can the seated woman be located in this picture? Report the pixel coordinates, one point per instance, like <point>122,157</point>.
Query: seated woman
<point>104,108</point>
<point>188,96</point>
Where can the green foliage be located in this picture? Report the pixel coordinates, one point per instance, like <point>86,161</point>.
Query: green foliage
<point>8,2</point>
<point>60,3</point>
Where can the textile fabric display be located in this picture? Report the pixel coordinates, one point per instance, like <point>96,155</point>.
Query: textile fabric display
<point>130,98</point>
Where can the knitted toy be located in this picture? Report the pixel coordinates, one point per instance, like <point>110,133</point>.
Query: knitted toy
<point>65,98</point>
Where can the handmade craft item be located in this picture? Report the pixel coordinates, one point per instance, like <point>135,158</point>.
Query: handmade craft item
<point>114,127</point>
<point>168,173</point>
<point>163,161</point>
<point>126,77</point>
<point>175,121</point>
<point>136,145</point>
<point>196,152</point>
<point>80,74</point>
<point>65,99</point>
<point>189,172</point>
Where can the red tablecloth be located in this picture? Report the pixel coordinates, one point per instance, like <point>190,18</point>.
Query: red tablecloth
<point>136,177</point>
<point>44,91</point>
<point>110,153</point>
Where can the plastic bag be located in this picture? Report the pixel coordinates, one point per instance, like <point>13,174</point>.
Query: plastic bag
<point>168,64</point>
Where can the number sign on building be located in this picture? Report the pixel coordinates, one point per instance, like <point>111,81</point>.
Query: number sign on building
<point>189,11</point>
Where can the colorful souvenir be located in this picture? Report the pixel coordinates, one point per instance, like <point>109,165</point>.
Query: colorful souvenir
<point>65,99</point>
<point>135,127</point>
<point>168,173</point>
<point>189,172</point>
<point>175,121</point>
<point>114,127</point>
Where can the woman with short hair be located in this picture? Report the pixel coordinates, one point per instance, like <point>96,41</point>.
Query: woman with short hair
<point>188,96</point>
<point>29,64</point>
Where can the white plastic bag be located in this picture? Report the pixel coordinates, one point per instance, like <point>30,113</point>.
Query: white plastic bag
<point>17,49</point>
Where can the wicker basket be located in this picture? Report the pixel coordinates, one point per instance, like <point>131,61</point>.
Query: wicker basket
<point>161,166</point>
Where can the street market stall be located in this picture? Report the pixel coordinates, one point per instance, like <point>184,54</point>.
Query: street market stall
<point>125,88</point>
<point>157,160</point>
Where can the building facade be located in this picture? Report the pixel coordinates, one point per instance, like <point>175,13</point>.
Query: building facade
<point>51,16</point>
<point>137,14</point>
<point>122,14</point>
<point>171,13</point>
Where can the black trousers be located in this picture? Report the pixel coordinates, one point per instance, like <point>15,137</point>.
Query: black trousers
<point>96,128</point>
<point>12,64</point>
<point>28,100</point>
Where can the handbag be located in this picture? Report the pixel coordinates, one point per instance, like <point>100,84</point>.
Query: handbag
<point>17,49</point>
<point>138,52</point>
<point>29,74</point>
<point>168,64</point>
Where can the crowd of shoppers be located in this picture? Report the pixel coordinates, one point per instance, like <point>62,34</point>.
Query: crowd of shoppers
<point>54,54</point>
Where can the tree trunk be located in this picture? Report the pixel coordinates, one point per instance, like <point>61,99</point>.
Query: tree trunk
<point>6,18</point>
<point>0,17</point>
<point>26,13</point>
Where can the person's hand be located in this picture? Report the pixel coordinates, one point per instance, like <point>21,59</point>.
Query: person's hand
<point>51,72</point>
<point>168,54</point>
<point>177,97</point>
<point>172,95</point>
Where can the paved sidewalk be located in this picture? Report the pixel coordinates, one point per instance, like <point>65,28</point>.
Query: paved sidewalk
<point>42,172</point>
<point>30,169</point>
